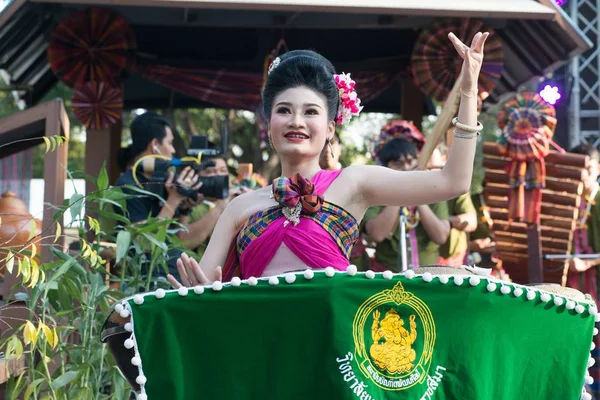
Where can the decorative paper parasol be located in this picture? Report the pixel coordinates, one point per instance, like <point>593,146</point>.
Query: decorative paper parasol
<point>436,65</point>
<point>399,129</point>
<point>91,45</point>
<point>527,124</point>
<point>97,105</point>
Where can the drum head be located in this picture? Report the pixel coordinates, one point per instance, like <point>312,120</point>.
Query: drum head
<point>555,288</point>
<point>442,270</point>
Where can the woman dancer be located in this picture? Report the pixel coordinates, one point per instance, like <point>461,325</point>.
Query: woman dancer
<point>309,217</point>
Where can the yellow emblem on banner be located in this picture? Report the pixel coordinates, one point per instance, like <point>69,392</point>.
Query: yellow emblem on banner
<point>394,337</point>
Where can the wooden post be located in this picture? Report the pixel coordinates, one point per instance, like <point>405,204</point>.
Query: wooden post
<point>534,254</point>
<point>102,145</point>
<point>412,103</point>
<point>55,164</point>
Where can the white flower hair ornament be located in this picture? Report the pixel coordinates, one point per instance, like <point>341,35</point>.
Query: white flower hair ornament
<point>349,102</point>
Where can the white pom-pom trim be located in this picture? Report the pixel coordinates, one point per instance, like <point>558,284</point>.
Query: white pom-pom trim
<point>596,317</point>
<point>198,289</point>
<point>136,361</point>
<point>217,286</point>
<point>530,295</point>
<point>160,293</point>
<point>586,396</point>
<point>329,272</point>
<point>589,380</point>
<point>409,274</point>
<point>593,311</point>
<point>591,362</point>
<point>252,281</point>
<point>128,327</point>
<point>138,299</point>
<point>545,297</point>
<point>119,307</point>
<point>474,281</point>
<point>427,277</point>
<point>309,274</point>
<point>491,287</point>
<point>273,281</point>
<point>352,270</point>
<point>183,291</point>
<point>443,279</point>
<point>290,278</point>
<point>129,344</point>
<point>370,274</point>
<point>387,274</point>
<point>505,289</point>
<point>593,346</point>
<point>595,331</point>
<point>142,396</point>
<point>558,301</point>
<point>570,305</point>
<point>518,292</point>
<point>235,281</point>
<point>458,280</point>
<point>124,313</point>
<point>141,380</point>
<point>579,309</point>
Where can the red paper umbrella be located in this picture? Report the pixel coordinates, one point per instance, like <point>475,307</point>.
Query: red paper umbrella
<point>91,45</point>
<point>436,65</point>
<point>97,105</point>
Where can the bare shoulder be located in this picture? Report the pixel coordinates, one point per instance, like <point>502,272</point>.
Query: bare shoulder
<point>243,206</point>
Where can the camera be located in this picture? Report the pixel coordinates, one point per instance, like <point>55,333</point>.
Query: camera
<point>212,186</point>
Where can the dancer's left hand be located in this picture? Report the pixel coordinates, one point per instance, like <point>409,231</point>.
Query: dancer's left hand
<point>191,274</point>
<point>472,60</point>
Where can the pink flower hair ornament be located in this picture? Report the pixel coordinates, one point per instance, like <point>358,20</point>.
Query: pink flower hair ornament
<point>349,102</point>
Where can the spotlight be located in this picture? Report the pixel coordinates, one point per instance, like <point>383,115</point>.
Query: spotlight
<point>550,94</point>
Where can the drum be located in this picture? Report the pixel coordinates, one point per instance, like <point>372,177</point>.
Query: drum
<point>114,334</point>
<point>433,332</point>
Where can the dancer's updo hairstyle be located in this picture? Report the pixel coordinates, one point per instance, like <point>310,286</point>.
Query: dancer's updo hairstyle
<point>302,68</point>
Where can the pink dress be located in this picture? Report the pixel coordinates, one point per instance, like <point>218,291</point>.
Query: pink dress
<point>322,235</point>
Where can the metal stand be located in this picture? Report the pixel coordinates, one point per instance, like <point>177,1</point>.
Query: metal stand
<point>402,254</point>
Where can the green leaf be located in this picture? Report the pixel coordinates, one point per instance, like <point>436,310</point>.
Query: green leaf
<point>64,379</point>
<point>123,241</point>
<point>31,388</point>
<point>62,270</point>
<point>102,182</point>
<point>152,239</point>
<point>75,204</point>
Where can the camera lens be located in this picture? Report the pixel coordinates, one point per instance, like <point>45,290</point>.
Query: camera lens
<point>215,186</point>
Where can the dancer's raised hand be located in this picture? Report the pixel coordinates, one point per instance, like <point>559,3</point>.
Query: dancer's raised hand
<point>191,274</point>
<point>472,61</point>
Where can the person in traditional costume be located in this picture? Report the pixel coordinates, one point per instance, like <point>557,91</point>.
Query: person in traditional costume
<point>427,228</point>
<point>309,217</point>
<point>583,273</point>
<point>463,219</point>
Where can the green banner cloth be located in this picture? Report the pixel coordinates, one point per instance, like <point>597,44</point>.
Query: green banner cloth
<point>362,337</point>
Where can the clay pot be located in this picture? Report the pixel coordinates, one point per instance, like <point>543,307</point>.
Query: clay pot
<point>15,225</point>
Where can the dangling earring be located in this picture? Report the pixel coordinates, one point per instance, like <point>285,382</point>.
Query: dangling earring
<point>270,140</point>
<point>330,147</point>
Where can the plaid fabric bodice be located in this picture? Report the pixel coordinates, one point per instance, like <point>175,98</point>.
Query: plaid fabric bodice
<point>337,222</point>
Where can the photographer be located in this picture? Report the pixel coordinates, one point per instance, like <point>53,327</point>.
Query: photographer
<point>152,134</point>
<point>204,217</point>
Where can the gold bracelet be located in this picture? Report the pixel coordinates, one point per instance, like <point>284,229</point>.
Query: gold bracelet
<point>461,135</point>
<point>467,128</point>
